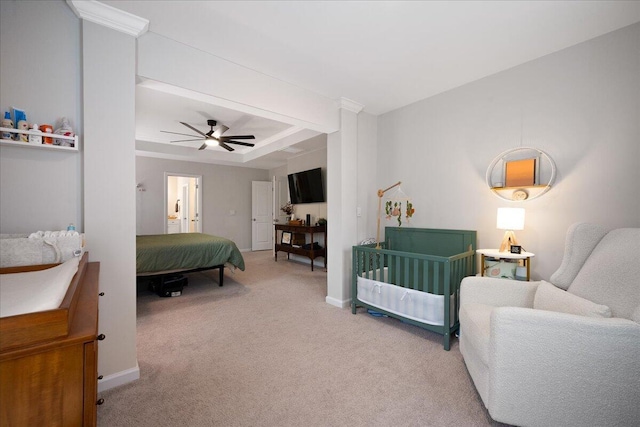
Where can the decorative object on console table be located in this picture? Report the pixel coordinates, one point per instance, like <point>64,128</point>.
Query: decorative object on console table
<point>286,238</point>
<point>287,208</point>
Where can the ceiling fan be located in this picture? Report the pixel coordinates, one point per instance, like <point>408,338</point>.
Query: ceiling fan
<point>213,135</point>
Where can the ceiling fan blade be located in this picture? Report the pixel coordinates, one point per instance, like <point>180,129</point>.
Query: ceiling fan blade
<point>238,137</point>
<point>225,146</point>
<point>203,146</point>
<point>221,129</point>
<point>246,144</point>
<point>178,133</point>
<point>194,129</point>
<point>187,140</point>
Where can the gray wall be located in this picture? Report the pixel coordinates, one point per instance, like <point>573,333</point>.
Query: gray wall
<point>580,105</point>
<point>40,189</point>
<point>224,188</point>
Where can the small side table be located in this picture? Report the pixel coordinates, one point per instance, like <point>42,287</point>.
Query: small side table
<point>497,255</point>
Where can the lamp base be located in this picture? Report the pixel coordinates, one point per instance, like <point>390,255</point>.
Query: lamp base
<point>508,240</point>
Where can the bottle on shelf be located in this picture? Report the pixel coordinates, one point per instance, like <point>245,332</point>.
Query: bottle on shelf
<point>35,139</point>
<point>7,123</point>
<point>47,129</point>
<point>22,137</point>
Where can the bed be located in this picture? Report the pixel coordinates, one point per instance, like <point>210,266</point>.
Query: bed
<point>415,276</point>
<point>164,254</point>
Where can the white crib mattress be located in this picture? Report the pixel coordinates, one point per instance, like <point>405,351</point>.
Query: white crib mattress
<point>33,291</point>
<point>411,304</point>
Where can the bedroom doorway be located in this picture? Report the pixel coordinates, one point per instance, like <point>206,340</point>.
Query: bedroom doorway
<point>261,213</point>
<point>183,203</point>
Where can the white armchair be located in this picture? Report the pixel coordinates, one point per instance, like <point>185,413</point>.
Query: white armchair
<point>541,356</point>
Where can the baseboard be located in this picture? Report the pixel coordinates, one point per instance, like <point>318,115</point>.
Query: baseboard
<point>338,303</point>
<point>119,378</point>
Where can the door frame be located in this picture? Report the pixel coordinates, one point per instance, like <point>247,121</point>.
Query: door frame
<point>254,223</point>
<point>198,201</point>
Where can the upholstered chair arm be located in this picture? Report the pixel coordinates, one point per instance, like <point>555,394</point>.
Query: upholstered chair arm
<point>497,292</point>
<point>545,366</point>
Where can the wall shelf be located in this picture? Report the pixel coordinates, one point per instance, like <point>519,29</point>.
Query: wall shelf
<point>9,142</point>
<point>544,174</point>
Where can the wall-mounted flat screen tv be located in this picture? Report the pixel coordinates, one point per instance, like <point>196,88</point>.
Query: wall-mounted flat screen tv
<point>306,187</point>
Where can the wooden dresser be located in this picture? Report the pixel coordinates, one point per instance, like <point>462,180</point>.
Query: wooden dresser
<point>54,381</point>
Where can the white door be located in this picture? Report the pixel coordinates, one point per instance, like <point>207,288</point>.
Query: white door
<point>183,201</point>
<point>280,198</point>
<point>185,211</point>
<point>261,215</point>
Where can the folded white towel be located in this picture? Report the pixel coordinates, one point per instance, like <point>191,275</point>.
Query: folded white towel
<point>61,233</point>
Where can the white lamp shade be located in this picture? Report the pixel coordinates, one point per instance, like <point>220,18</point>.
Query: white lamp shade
<point>510,219</point>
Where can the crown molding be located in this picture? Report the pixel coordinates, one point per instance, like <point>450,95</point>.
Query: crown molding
<point>349,105</point>
<point>108,16</point>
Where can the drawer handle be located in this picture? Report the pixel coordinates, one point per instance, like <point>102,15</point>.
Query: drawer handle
<point>100,377</point>
<point>100,401</point>
<point>101,337</point>
<point>101,294</point>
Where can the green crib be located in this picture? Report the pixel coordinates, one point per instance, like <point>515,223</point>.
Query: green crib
<point>415,276</point>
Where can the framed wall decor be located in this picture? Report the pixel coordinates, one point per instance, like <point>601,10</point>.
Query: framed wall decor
<point>286,238</point>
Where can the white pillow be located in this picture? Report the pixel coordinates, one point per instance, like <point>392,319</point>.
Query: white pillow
<point>550,298</point>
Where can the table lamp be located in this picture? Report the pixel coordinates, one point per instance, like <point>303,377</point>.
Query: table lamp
<point>509,219</point>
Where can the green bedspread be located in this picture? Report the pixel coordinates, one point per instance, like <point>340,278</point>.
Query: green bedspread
<point>184,251</point>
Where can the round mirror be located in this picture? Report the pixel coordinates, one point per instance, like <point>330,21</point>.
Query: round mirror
<point>520,174</point>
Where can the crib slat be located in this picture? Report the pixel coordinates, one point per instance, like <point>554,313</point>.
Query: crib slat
<point>425,276</point>
<point>367,268</point>
<point>416,274</point>
<point>406,282</point>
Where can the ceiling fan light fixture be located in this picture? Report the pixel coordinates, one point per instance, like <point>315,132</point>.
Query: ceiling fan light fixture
<point>216,136</point>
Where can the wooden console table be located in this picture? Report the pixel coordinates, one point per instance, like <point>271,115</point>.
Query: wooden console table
<point>311,253</point>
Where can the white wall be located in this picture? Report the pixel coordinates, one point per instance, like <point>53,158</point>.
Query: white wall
<point>40,73</point>
<point>580,105</point>
<point>224,189</point>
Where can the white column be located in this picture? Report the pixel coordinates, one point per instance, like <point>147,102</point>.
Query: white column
<point>109,77</point>
<point>342,175</point>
